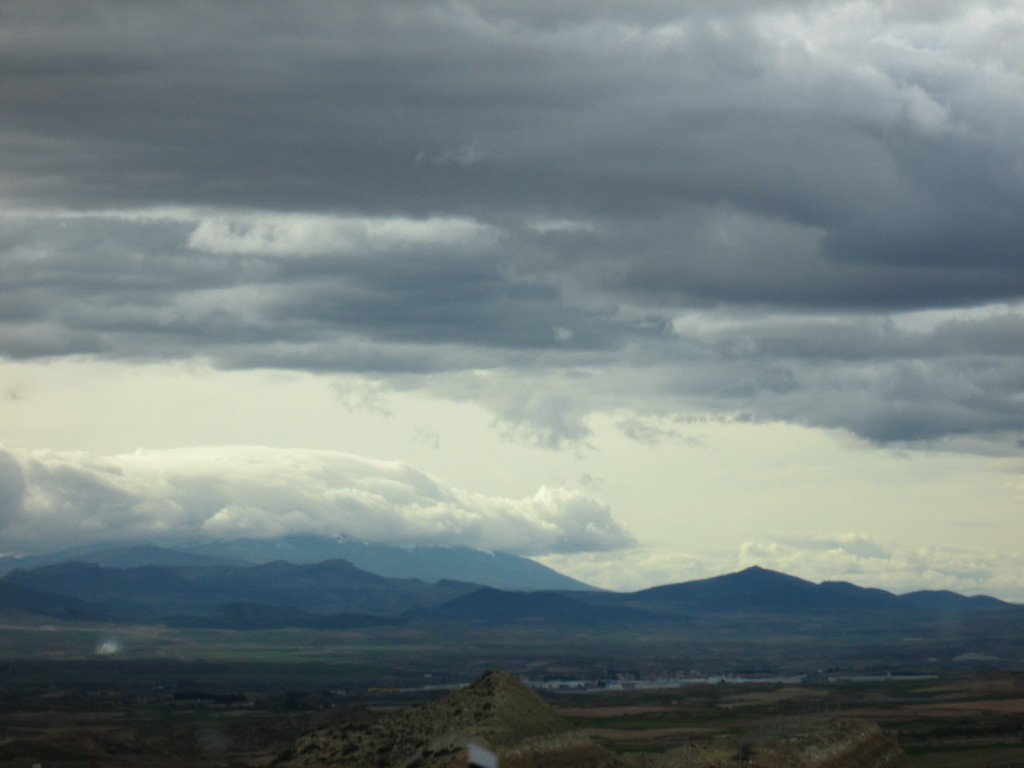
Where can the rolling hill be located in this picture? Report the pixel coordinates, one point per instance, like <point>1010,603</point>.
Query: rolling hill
<point>336,592</point>
<point>760,590</point>
<point>154,593</point>
<point>491,569</point>
<point>497,607</point>
<point>20,602</point>
<point>430,564</point>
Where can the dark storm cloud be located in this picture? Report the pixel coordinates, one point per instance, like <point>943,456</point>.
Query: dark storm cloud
<point>482,109</point>
<point>135,288</point>
<point>734,206</point>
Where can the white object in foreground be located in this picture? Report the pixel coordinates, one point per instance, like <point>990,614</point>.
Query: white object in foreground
<point>482,758</point>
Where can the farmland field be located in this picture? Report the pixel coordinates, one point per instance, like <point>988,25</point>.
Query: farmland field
<point>97,695</point>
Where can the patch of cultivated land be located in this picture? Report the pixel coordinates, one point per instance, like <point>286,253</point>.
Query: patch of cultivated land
<point>645,735</point>
<point>963,721</point>
<point>772,697</point>
<point>61,704</point>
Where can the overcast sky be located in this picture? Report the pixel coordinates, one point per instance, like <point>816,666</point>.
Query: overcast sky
<point>649,291</point>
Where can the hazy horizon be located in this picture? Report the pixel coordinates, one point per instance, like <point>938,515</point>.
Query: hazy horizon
<point>189,545</point>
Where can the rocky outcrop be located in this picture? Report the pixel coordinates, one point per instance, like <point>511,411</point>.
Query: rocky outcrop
<point>496,711</point>
<point>500,713</point>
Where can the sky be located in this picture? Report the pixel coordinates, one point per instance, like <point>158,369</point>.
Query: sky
<point>647,291</point>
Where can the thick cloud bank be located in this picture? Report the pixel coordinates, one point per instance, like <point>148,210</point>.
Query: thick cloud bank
<point>49,500</point>
<point>785,210</point>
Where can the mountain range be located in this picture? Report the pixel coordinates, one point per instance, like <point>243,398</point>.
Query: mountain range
<point>217,586</point>
<point>431,564</point>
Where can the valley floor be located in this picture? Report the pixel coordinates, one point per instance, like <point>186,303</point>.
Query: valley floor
<point>73,695</point>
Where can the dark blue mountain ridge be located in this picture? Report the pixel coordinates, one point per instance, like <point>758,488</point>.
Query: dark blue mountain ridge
<point>155,592</point>
<point>115,556</point>
<point>142,593</point>
<point>430,564</point>
<point>495,606</point>
<point>752,588</point>
<point>337,593</point>
<point>943,599</point>
<point>761,589</point>
<point>18,602</point>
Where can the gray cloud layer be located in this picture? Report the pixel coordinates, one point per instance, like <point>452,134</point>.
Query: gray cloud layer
<point>786,210</point>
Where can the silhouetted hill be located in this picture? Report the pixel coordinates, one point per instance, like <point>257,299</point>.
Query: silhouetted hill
<point>332,586</point>
<point>845,596</point>
<point>751,589</point>
<point>758,589</point>
<point>944,600</point>
<point>430,564</point>
<point>153,592</point>
<point>278,592</point>
<point>129,594</point>
<point>493,606</point>
<point>115,556</point>
<point>489,569</point>
<point>759,595</point>
<point>20,602</point>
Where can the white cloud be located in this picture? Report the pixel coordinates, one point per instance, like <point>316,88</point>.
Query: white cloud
<point>548,226</point>
<point>282,234</point>
<point>56,499</point>
<point>464,155</point>
<point>930,320</point>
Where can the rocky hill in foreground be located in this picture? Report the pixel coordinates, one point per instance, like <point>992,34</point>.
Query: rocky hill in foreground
<point>497,712</point>
<point>500,713</point>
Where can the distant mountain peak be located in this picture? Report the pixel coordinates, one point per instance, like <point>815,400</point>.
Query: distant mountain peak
<point>429,563</point>
<point>762,572</point>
